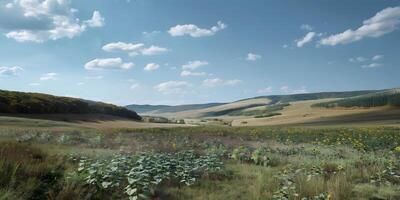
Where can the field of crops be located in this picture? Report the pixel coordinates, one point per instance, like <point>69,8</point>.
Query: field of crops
<point>201,163</point>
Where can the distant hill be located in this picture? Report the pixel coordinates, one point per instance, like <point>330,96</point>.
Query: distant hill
<point>36,103</point>
<point>169,109</point>
<point>313,96</point>
<point>389,97</point>
<point>245,107</point>
<point>145,108</point>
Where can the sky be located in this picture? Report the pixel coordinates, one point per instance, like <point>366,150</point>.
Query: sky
<point>185,51</point>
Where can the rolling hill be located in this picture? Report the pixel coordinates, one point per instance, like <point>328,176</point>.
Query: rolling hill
<point>246,107</point>
<point>389,97</point>
<point>12,102</point>
<point>169,109</point>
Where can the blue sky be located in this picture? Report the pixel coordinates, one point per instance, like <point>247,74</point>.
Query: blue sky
<point>179,52</point>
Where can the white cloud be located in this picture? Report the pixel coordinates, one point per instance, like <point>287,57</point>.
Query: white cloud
<point>107,63</point>
<point>96,21</point>
<point>134,86</point>
<point>265,90</point>
<point>150,34</point>
<point>195,31</point>
<point>285,89</point>
<point>49,76</point>
<point>42,20</point>
<point>10,71</point>
<point>372,65</point>
<point>122,46</point>
<point>94,77</point>
<point>219,82</point>
<point>154,50</point>
<point>134,49</point>
<point>306,39</point>
<point>377,57</point>
<point>306,27</point>
<point>384,22</point>
<point>151,67</point>
<point>80,83</point>
<point>9,5</point>
<point>192,65</point>
<point>190,73</point>
<point>172,87</point>
<point>358,59</point>
<point>253,57</point>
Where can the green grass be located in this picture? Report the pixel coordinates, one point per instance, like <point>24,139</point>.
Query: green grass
<point>344,163</point>
<point>266,110</point>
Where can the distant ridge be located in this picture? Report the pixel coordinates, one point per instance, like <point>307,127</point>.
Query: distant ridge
<point>390,97</point>
<point>170,109</point>
<point>12,102</point>
<point>237,107</point>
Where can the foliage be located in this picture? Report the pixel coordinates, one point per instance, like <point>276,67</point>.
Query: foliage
<point>139,175</point>
<point>37,103</point>
<point>387,98</point>
<point>267,115</point>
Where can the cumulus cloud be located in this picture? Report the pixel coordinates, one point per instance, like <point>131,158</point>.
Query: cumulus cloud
<point>372,65</point>
<point>42,20</point>
<point>96,21</point>
<point>358,59</point>
<point>285,89</point>
<point>190,73</point>
<point>49,76</point>
<point>134,49</point>
<point>252,57</point>
<point>172,87</point>
<point>306,27</point>
<point>154,50</point>
<point>107,63</point>
<point>384,22</point>
<point>219,82</point>
<point>10,71</point>
<point>195,31</point>
<point>265,90</point>
<point>377,57</point>
<point>122,46</point>
<point>306,39</point>
<point>150,34</point>
<point>134,86</point>
<point>192,65</point>
<point>151,67</point>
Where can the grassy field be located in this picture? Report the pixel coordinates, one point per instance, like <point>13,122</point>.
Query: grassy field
<point>55,160</point>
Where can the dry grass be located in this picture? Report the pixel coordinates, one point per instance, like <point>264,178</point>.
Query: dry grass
<point>301,113</point>
<point>203,112</point>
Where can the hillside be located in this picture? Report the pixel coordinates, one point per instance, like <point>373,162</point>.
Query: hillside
<point>247,107</point>
<point>314,96</point>
<point>169,109</point>
<point>36,103</point>
<point>145,108</point>
<point>389,97</point>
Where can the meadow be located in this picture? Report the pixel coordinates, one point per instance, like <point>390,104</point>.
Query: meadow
<point>203,162</point>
